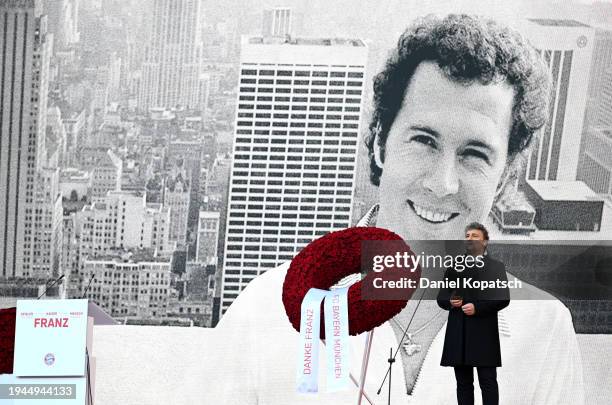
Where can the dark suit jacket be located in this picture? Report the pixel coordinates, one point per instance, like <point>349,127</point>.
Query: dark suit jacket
<point>474,340</point>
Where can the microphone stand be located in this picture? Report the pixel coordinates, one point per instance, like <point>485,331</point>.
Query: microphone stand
<point>391,360</point>
<point>388,374</point>
<point>57,280</point>
<point>88,285</point>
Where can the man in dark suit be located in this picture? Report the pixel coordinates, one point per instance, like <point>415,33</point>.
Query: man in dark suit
<point>472,337</point>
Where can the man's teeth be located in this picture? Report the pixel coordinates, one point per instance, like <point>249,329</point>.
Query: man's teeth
<point>431,215</point>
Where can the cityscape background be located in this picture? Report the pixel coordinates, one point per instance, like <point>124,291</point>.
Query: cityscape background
<point>158,155</point>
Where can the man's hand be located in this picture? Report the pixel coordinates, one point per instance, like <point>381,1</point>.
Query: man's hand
<point>469,309</point>
<point>456,303</point>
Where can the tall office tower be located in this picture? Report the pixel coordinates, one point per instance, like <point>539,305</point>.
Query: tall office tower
<point>295,148</point>
<point>63,21</point>
<point>596,163</point>
<point>208,237</point>
<point>277,22</point>
<point>595,167</point>
<point>123,220</point>
<point>596,160</point>
<point>114,76</point>
<point>47,225</point>
<point>601,64</point>
<point>566,46</point>
<point>58,131</point>
<point>24,65</point>
<point>69,262</point>
<point>171,67</point>
<point>106,175</point>
<point>600,111</point>
<point>176,198</point>
<point>204,90</point>
<point>120,283</point>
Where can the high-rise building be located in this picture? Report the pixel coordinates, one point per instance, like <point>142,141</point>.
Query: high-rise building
<point>69,263</point>
<point>596,160</point>
<point>176,198</point>
<point>295,150</point>
<point>599,108</point>
<point>208,237</point>
<point>123,220</point>
<point>133,284</point>
<point>277,22</point>
<point>106,175</point>
<point>57,129</point>
<point>171,67</point>
<point>204,93</point>
<point>114,76</point>
<point>63,21</point>
<point>566,46</point>
<point>595,167</point>
<point>47,225</point>
<point>74,125</point>
<point>24,65</point>
<point>600,113</point>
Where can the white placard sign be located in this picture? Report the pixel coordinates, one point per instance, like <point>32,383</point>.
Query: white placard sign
<point>50,338</point>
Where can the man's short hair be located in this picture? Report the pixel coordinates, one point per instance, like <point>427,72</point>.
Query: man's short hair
<point>467,49</point>
<point>478,227</point>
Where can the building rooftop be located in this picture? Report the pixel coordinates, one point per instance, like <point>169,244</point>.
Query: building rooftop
<point>306,41</point>
<point>172,183</point>
<point>74,174</point>
<point>210,214</point>
<point>563,190</point>
<point>115,160</point>
<point>515,202</point>
<point>98,205</point>
<point>130,256</point>
<point>550,22</point>
<point>132,193</point>
<point>161,114</point>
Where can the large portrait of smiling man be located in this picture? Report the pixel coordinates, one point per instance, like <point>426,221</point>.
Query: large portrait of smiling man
<point>456,108</point>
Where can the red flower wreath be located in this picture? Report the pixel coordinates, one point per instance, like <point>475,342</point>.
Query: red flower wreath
<point>329,259</point>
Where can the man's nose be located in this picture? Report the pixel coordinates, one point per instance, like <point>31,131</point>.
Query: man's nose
<point>441,178</point>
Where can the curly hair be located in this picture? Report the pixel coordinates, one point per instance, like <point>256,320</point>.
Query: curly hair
<point>467,49</point>
<point>478,227</point>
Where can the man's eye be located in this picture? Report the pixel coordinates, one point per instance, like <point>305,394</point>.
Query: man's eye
<point>477,154</point>
<point>425,140</point>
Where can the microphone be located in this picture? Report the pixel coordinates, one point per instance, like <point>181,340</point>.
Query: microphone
<point>88,285</point>
<point>57,280</point>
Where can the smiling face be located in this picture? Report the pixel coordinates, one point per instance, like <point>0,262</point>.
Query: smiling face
<point>444,155</point>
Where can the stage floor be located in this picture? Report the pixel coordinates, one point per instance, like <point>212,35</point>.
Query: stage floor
<point>153,365</point>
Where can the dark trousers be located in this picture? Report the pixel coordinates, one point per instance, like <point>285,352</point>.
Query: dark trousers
<point>487,378</point>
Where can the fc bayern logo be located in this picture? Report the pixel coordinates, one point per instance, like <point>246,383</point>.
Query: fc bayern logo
<point>49,359</point>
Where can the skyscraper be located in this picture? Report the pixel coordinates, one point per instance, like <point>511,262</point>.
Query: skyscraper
<point>63,21</point>
<point>599,105</point>
<point>24,65</point>
<point>176,197</point>
<point>47,225</point>
<point>566,46</point>
<point>208,237</point>
<point>171,67</point>
<point>595,167</point>
<point>596,160</point>
<point>295,149</point>
<point>277,22</point>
